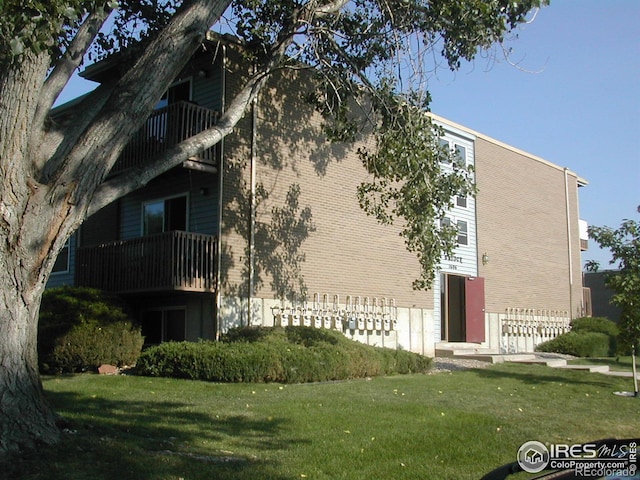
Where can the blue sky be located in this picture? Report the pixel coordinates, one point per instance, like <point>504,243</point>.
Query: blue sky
<point>581,110</point>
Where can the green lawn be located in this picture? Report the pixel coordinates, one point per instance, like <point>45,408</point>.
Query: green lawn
<point>442,426</point>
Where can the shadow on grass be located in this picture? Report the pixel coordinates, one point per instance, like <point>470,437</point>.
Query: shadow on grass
<point>541,374</point>
<point>107,439</point>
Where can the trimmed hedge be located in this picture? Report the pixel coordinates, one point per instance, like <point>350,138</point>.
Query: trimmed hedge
<point>589,337</point>
<point>598,325</point>
<point>595,324</point>
<point>285,355</point>
<point>81,328</point>
<point>579,344</point>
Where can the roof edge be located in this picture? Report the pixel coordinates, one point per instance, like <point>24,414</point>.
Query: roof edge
<point>581,181</point>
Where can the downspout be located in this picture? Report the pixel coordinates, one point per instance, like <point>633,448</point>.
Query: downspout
<point>252,218</point>
<point>223,87</point>
<point>569,243</point>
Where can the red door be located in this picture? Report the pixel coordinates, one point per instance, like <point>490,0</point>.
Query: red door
<point>474,309</point>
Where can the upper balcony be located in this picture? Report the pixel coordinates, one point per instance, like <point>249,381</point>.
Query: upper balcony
<point>165,128</point>
<point>167,261</point>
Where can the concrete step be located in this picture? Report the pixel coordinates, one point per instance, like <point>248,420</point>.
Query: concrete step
<point>445,349</point>
<point>587,368</point>
<point>549,362</point>
<point>616,373</point>
<point>474,351</point>
<point>493,358</point>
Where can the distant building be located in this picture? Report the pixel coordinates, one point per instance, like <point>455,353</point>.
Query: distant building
<point>601,305</point>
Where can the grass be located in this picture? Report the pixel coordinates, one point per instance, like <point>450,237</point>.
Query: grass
<point>441,426</point>
<point>621,364</point>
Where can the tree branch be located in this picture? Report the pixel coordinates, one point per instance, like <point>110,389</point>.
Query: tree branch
<point>135,94</point>
<point>330,8</point>
<point>59,139</point>
<point>68,63</point>
<point>132,180</point>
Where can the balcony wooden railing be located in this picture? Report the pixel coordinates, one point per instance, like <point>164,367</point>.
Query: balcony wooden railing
<point>163,262</point>
<point>165,128</point>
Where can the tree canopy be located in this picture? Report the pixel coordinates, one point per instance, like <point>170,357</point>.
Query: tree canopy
<point>624,280</point>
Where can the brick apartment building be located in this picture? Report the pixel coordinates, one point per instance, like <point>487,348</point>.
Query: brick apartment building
<point>266,229</point>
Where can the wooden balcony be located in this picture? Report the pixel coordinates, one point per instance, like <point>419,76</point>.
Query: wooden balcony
<point>163,262</point>
<point>164,129</point>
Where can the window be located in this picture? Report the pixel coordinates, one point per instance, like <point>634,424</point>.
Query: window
<point>164,325</point>
<point>62,262</point>
<point>461,156</point>
<point>164,215</point>
<point>176,93</point>
<point>461,201</point>
<point>461,227</point>
<point>463,238</point>
<point>444,145</point>
<point>445,222</point>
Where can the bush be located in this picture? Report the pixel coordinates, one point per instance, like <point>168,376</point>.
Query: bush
<point>595,324</point>
<point>286,355</point>
<point>598,325</point>
<point>82,328</point>
<point>579,344</point>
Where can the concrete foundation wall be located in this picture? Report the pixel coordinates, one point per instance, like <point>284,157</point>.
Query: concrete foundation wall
<point>411,329</point>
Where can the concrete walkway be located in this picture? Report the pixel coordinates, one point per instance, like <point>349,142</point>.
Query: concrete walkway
<point>553,360</point>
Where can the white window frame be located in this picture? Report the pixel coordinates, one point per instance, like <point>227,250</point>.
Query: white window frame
<point>466,232</point>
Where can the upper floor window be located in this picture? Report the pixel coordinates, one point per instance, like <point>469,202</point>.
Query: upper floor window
<point>459,152</point>
<point>178,92</point>
<point>461,201</point>
<point>461,228</point>
<point>444,145</point>
<point>461,155</point>
<point>164,215</point>
<point>463,238</point>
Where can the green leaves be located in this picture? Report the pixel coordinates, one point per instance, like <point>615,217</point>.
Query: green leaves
<point>409,183</point>
<point>37,25</point>
<point>624,244</point>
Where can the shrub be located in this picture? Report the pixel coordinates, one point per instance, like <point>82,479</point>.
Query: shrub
<point>291,355</point>
<point>595,324</point>
<point>598,325</point>
<point>82,328</point>
<point>586,344</point>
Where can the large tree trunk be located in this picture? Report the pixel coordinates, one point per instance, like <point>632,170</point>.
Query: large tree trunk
<point>28,247</point>
<point>26,419</point>
<point>48,179</point>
